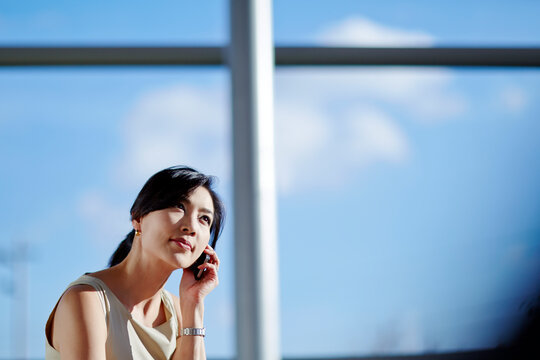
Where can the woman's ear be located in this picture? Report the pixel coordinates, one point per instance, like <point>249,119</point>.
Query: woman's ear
<point>136,223</point>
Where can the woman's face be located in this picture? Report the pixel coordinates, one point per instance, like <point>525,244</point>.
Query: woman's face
<point>178,235</point>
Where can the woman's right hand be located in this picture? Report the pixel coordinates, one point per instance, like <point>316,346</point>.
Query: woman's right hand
<point>194,291</point>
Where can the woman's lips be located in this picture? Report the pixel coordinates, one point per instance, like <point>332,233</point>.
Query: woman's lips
<point>185,244</point>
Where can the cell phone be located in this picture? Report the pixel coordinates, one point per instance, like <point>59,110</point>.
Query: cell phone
<point>198,273</point>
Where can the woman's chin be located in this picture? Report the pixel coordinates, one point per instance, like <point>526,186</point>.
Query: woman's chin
<point>182,262</point>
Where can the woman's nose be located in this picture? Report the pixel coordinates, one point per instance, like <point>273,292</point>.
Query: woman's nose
<point>188,224</point>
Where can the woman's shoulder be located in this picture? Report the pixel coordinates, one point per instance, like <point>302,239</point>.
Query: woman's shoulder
<point>80,299</point>
<point>78,316</point>
<point>77,294</point>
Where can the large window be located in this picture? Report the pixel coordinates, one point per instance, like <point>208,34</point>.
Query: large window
<point>407,197</point>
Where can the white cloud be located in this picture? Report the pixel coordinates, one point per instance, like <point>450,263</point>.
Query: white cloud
<point>375,136</point>
<point>347,119</point>
<point>360,31</point>
<point>425,94</point>
<point>315,149</point>
<point>301,134</point>
<point>176,125</point>
<point>332,123</point>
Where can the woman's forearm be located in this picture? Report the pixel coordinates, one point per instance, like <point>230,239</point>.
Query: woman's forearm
<point>191,347</point>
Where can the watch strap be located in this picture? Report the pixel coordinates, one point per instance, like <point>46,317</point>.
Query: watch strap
<point>193,332</point>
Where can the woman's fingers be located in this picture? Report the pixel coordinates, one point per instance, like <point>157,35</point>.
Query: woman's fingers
<point>211,272</point>
<point>209,265</point>
<point>214,259</point>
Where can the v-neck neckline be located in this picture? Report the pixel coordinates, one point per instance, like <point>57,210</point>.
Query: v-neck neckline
<point>168,314</point>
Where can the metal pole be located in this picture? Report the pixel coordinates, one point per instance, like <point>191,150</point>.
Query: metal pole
<point>110,55</point>
<point>353,56</point>
<point>251,59</point>
<point>284,56</point>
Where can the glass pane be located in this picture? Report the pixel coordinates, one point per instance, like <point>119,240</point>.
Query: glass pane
<point>76,147</point>
<point>407,23</point>
<point>162,22</point>
<point>408,208</point>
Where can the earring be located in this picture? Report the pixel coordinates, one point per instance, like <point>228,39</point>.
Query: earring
<point>137,233</point>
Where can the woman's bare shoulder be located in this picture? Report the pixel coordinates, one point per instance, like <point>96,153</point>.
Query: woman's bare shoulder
<point>79,322</point>
<point>77,295</point>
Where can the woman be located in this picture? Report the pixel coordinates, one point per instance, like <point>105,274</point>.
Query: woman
<point>123,312</point>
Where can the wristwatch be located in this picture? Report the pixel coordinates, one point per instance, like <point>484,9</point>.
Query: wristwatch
<point>194,331</point>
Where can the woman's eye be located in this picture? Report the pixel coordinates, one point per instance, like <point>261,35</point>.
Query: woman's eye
<point>180,206</point>
<point>206,219</point>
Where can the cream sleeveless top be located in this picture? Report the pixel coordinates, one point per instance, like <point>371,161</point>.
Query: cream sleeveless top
<point>127,338</point>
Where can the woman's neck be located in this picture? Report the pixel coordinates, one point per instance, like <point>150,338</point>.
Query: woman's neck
<point>137,281</point>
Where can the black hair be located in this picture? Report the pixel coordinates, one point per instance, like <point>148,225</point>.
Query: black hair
<point>165,189</point>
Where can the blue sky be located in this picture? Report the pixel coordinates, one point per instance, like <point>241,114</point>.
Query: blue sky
<point>408,199</point>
